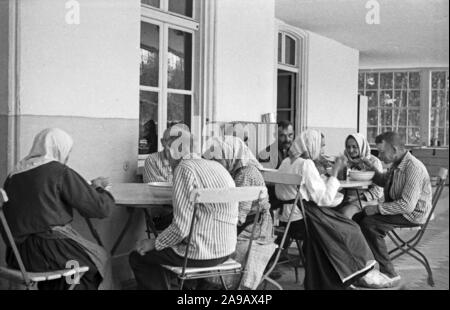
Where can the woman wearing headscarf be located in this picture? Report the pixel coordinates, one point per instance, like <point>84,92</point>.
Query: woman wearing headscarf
<point>336,253</point>
<point>237,158</point>
<point>357,151</point>
<point>43,193</point>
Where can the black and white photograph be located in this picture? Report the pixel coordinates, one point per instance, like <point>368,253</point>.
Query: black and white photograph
<point>224,150</point>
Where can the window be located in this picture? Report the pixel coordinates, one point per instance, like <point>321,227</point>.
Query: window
<point>394,103</point>
<point>287,77</point>
<point>439,108</point>
<point>397,101</point>
<point>168,31</point>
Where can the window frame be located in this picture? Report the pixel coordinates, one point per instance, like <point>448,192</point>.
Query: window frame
<point>425,99</point>
<point>301,69</point>
<point>166,20</point>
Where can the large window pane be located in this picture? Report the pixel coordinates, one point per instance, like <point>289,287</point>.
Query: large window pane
<point>372,99</point>
<point>400,80</point>
<point>386,80</point>
<point>386,117</point>
<point>414,99</point>
<point>402,133</point>
<point>372,133</point>
<point>155,3</point>
<point>283,115</point>
<point>179,60</point>
<point>148,122</point>
<point>371,80</point>
<point>438,80</point>
<point>438,99</point>
<point>372,119</point>
<point>183,7</point>
<point>290,51</point>
<point>178,109</point>
<point>400,99</point>
<point>400,116</point>
<point>386,99</point>
<point>413,136</point>
<point>414,80</point>
<point>280,46</point>
<point>361,81</point>
<point>414,118</point>
<point>149,70</point>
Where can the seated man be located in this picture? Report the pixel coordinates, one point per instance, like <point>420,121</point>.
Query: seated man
<point>156,166</point>
<point>214,236</point>
<point>407,193</point>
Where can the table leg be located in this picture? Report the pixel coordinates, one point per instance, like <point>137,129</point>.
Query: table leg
<point>125,228</point>
<point>359,199</point>
<point>94,231</point>
<point>150,224</point>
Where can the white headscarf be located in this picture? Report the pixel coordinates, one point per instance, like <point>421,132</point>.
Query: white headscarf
<point>51,144</point>
<point>308,144</point>
<point>232,152</point>
<point>364,150</point>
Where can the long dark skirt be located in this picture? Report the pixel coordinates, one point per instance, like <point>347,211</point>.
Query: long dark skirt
<point>336,252</point>
<point>40,255</point>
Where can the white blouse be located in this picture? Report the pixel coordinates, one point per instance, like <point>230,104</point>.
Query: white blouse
<point>324,192</point>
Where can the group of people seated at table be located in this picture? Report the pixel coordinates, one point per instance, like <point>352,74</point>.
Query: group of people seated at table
<point>343,240</point>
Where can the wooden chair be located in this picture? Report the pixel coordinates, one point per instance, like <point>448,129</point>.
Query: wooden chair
<point>410,246</point>
<point>23,277</point>
<point>218,195</point>
<point>275,177</point>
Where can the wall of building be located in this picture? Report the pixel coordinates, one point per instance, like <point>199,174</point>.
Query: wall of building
<point>332,90</point>
<point>83,78</point>
<point>245,55</point>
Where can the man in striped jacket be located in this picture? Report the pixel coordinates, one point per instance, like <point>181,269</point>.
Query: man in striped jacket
<point>214,235</point>
<point>407,192</point>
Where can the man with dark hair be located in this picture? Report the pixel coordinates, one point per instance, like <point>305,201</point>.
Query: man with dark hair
<point>285,138</point>
<point>407,193</point>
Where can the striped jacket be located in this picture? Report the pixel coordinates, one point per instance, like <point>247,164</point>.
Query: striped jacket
<point>215,233</point>
<point>407,190</point>
<point>157,168</point>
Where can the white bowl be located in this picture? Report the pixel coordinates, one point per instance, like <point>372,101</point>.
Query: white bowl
<point>166,185</point>
<point>356,175</point>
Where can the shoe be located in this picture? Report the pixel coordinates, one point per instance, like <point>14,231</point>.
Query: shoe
<point>394,281</point>
<point>376,280</point>
<point>275,275</point>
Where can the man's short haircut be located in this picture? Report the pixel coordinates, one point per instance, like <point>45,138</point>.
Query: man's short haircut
<point>393,138</point>
<point>182,133</point>
<point>284,124</point>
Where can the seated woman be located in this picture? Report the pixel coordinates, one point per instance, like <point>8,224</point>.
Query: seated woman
<point>336,252</point>
<point>237,158</point>
<point>43,192</point>
<point>357,151</point>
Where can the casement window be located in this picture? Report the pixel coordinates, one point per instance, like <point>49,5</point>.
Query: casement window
<point>169,31</point>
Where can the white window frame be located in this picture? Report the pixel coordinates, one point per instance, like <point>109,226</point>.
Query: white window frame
<point>167,20</point>
<point>301,38</point>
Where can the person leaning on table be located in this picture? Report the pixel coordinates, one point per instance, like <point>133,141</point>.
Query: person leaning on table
<point>357,151</point>
<point>407,194</point>
<point>43,192</point>
<point>214,235</point>
<point>156,166</point>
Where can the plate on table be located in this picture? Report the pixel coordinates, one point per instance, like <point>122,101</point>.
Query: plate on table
<point>356,175</point>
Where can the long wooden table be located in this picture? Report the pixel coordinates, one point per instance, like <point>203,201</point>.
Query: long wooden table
<point>135,196</point>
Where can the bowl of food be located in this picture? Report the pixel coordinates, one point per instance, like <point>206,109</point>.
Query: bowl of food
<point>163,188</point>
<point>356,175</point>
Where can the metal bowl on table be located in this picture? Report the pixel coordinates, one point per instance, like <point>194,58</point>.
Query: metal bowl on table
<point>356,175</point>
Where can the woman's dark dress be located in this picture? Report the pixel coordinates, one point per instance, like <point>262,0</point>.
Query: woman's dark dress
<point>42,198</point>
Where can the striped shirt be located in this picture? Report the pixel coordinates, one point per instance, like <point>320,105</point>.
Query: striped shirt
<point>157,168</point>
<point>407,190</point>
<point>214,233</point>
